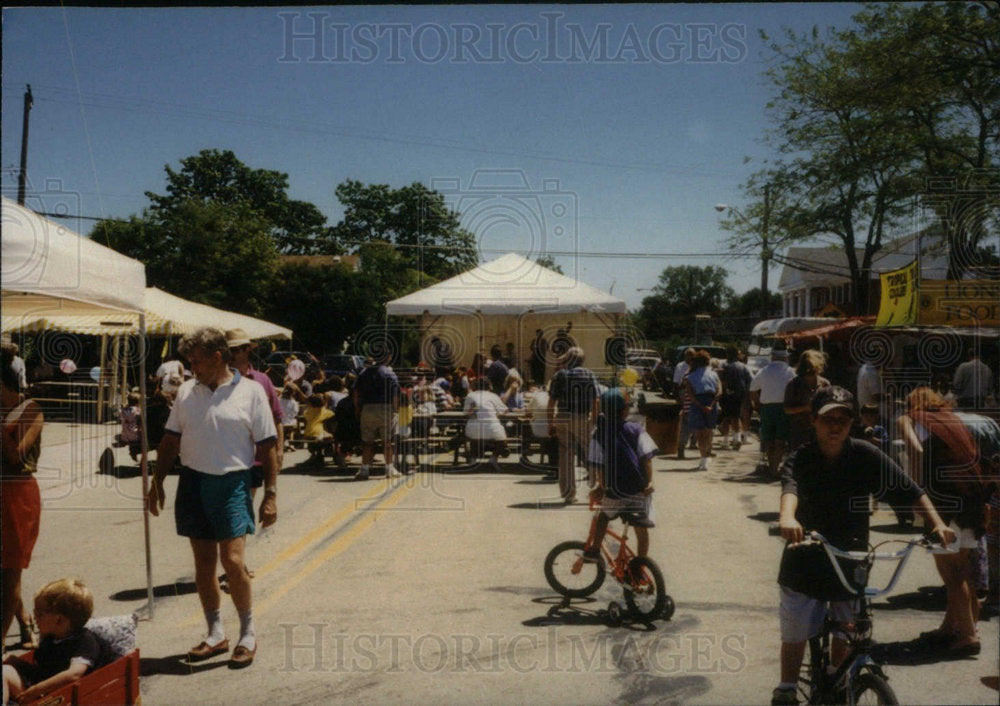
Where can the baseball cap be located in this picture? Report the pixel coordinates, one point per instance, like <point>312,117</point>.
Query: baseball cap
<point>830,398</point>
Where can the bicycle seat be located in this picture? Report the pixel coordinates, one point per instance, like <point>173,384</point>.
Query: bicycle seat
<point>636,520</point>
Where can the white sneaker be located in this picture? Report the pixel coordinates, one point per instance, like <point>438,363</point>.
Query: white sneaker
<point>392,472</point>
<point>703,465</point>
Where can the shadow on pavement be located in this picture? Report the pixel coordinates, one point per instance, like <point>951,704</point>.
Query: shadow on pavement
<point>912,653</point>
<point>755,477</point>
<point>580,611</point>
<point>926,598</point>
<point>764,517</point>
<point>897,528</point>
<point>542,505</point>
<point>176,665</point>
<point>178,588</point>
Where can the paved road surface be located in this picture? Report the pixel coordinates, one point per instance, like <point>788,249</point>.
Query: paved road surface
<point>430,590</point>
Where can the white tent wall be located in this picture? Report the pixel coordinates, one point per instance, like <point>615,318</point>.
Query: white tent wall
<point>47,269</point>
<point>504,301</point>
<point>467,334</point>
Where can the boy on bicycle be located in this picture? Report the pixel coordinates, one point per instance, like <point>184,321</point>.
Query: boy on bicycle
<point>621,455</point>
<point>825,486</point>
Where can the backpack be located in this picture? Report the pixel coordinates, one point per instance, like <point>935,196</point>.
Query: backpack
<point>975,480</point>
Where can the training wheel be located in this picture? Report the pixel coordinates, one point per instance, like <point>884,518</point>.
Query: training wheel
<point>615,613</point>
<point>668,608</point>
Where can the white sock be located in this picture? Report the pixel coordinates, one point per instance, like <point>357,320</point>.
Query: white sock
<point>215,632</point>
<point>248,635</point>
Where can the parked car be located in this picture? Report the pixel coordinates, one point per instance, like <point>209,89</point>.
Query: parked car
<point>714,351</point>
<point>342,363</point>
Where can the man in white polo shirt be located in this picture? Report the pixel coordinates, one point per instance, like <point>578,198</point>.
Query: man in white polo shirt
<point>219,424</point>
<point>767,394</point>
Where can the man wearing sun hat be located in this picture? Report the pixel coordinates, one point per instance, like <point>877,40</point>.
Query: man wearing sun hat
<point>240,346</point>
<point>825,486</point>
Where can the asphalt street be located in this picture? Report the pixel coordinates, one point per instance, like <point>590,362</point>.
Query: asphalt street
<point>430,589</point>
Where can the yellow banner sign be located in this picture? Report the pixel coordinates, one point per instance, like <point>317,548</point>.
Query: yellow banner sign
<point>967,302</point>
<point>898,306</point>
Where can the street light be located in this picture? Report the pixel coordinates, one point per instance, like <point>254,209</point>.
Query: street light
<point>765,253</point>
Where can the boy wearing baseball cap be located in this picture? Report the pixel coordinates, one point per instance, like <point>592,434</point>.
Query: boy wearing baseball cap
<point>824,488</point>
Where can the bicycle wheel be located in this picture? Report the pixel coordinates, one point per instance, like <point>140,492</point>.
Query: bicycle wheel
<point>872,689</point>
<point>644,591</point>
<point>568,574</point>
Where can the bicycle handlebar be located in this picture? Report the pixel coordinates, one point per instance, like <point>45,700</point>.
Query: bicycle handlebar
<point>900,556</point>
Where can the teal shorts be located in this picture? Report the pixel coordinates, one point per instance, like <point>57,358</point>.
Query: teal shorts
<point>213,507</point>
<point>774,423</point>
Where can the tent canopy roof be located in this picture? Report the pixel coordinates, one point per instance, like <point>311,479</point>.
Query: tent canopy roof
<point>165,314</point>
<point>48,269</point>
<point>511,284</point>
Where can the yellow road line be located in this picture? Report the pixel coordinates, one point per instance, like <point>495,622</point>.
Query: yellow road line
<point>322,530</point>
<point>340,544</point>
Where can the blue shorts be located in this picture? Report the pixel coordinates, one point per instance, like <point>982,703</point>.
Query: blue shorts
<point>213,507</point>
<point>697,418</point>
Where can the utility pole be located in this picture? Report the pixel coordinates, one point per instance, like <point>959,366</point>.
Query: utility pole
<point>22,177</point>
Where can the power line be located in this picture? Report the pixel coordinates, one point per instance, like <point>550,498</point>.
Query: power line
<point>142,105</point>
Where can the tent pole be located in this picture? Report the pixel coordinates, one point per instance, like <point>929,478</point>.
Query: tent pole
<point>144,461</point>
<point>115,359</point>
<point>100,382</point>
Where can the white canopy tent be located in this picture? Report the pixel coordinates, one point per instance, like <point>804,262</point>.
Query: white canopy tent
<point>505,301</point>
<point>165,314</point>
<point>50,271</point>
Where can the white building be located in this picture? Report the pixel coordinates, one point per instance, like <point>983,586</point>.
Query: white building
<point>815,278</point>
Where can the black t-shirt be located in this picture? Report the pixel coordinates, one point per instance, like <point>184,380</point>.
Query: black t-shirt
<point>833,500</point>
<point>53,656</point>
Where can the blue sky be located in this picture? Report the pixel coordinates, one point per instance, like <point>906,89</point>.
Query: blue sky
<point>622,125</point>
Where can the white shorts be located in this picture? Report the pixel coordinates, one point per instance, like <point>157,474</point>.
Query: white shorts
<point>965,538</point>
<point>802,617</point>
<point>641,505</point>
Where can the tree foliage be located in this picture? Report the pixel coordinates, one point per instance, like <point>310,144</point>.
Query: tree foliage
<point>414,219</point>
<point>901,109</point>
<point>549,262</point>
<point>218,177</point>
<point>682,292</point>
<point>220,255</point>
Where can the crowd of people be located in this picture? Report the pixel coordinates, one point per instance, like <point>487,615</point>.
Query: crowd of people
<point>225,426</point>
<point>930,452</point>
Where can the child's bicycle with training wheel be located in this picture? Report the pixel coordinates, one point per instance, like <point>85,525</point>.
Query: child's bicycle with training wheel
<point>574,576</point>
<point>859,679</point>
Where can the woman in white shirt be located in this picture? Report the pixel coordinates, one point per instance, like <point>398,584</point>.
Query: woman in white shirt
<point>483,429</point>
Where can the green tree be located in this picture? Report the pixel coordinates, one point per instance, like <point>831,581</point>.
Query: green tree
<point>934,68</point>
<point>749,304</point>
<point>220,255</point>
<point>549,262</point>
<point>218,177</point>
<point>414,219</point>
<point>681,293</point>
<point>870,119</point>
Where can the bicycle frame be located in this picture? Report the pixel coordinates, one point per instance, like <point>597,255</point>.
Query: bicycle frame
<point>617,563</point>
<point>825,686</point>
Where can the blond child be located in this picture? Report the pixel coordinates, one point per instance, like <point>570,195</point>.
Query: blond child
<point>66,650</point>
